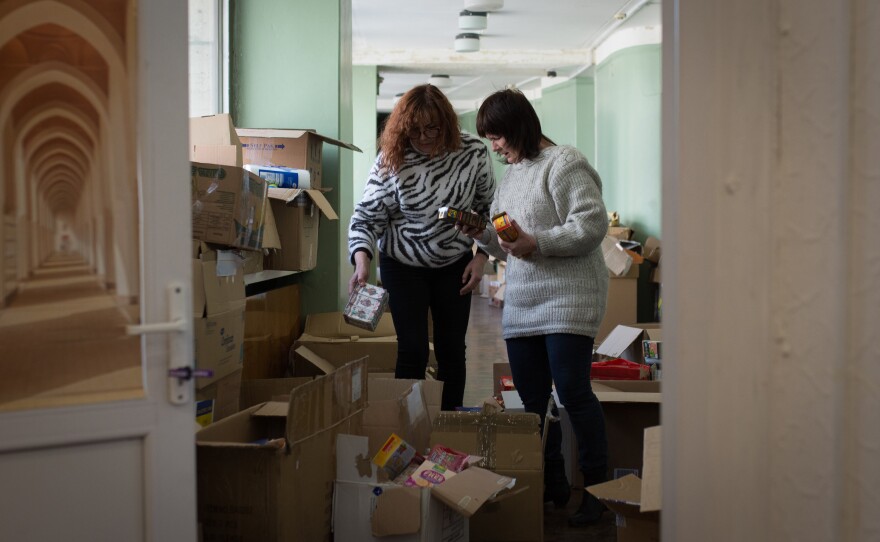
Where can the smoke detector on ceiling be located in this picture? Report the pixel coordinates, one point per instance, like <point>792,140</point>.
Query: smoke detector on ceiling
<point>467,43</point>
<point>483,5</point>
<point>472,21</point>
<point>440,80</point>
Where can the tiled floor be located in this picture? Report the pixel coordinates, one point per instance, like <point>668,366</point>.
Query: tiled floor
<point>484,348</point>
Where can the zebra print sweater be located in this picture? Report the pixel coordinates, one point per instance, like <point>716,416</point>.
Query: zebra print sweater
<point>398,212</point>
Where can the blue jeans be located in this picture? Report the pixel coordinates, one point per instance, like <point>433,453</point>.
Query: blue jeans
<point>411,292</point>
<point>535,363</point>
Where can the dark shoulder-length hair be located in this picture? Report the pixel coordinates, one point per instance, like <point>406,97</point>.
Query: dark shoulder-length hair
<point>421,106</point>
<point>509,114</point>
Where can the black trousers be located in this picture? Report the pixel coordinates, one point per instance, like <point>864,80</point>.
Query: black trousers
<point>412,291</point>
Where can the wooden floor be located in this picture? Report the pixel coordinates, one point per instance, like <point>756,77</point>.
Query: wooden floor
<point>484,348</point>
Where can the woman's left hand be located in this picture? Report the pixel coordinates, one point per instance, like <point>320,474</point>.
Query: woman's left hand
<point>523,247</point>
<point>473,273</point>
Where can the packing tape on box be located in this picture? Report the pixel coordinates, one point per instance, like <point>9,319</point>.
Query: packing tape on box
<point>486,424</point>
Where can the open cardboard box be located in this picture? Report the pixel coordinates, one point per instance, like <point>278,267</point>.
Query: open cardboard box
<point>637,502</point>
<point>228,205</point>
<point>267,472</point>
<point>213,141</point>
<point>629,406</point>
<point>218,313</point>
<point>625,341</point>
<point>293,216</point>
<point>301,149</point>
<point>366,510</point>
<point>511,445</point>
<point>330,338</point>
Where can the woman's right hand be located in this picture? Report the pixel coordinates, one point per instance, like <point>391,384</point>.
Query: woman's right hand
<point>473,232</point>
<point>361,270</point>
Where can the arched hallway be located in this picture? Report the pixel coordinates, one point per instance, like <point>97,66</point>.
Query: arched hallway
<point>63,340</point>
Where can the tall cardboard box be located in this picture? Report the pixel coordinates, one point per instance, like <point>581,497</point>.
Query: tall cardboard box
<point>512,446</point>
<point>228,205</point>
<point>293,217</point>
<point>302,149</point>
<point>218,312</point>
<point>622,304</point>
<point>266,473</point>
<point>271,324</point>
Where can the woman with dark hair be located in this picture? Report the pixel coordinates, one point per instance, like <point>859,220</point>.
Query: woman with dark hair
<point>425,162</point>
<point>557,284</point>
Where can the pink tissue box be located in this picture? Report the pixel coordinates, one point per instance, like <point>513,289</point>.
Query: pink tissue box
<point>365,306</point>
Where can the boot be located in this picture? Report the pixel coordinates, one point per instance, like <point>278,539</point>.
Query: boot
<point>589,512</point>
<point>556,486</point>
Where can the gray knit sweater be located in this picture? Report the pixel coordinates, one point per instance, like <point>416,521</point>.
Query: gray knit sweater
<point>557,197</point>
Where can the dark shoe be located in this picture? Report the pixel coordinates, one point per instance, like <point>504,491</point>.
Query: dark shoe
<point>589,512</point>
<point>556,486</point>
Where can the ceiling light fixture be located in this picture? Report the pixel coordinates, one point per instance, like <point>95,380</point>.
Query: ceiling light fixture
<point>483,5</point>
<point>440,80</point>
<point>472,21</point>
<point>467,43</point>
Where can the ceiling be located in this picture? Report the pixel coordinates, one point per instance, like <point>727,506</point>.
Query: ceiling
<point>408,40</point>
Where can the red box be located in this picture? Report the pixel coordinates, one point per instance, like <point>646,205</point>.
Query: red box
<point>619,369</point>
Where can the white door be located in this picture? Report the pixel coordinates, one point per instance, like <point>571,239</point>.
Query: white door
<point>97,201</point>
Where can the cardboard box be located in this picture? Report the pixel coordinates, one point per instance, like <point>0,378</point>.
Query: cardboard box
<point>511,445</point>
<point>402,406</point>
<point>267,472</point>
<point>292,219</point>
<point>213,141</point>
<point>261,390</point>
<point>629,406</point>
<point>625,341</point>
<point>272,323</point>
<point>622,304</point>
<point>331,339</point>
<point>228,205</point>
<point>365,510</point>
<point>300,149</point>
<point>223,394</point>
<point>218,310</point>
<point>637,502</point>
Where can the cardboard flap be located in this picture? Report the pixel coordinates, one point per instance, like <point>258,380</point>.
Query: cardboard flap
<point>333,325</point>
<point>273,409</point>
<point>652,494</point>
<point>470,489</point>
<point>616,259</point>
<point>288,195</point>
<point>398,511</point>
<point>322,364</point>
<point>627,391</point>
<point>622,495</point>
<point>618,341</point>
<point>327,401</point>
<point>293,134</point>
<point>353,461</point>
<point>271,239</point>
<point>213,140</point>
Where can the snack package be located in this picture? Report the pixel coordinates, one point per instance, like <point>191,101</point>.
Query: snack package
<point>504,227</point>
<point>453,215</point>
<point>447,457</point>
<point>394,456</point>
<point>429,474</point>
<point>365,306</point>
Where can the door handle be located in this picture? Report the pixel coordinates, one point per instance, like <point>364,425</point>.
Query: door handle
<point>179,325</point>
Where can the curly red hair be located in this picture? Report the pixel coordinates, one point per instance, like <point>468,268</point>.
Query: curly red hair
<point>419,107</point>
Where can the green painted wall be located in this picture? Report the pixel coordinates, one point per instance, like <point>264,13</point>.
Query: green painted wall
<point>364,136</point>
<point>628,147</point>
<point>291,68</point>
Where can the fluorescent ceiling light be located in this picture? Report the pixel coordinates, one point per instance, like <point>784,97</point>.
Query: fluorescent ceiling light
<point>472,21</point>
<point>467,43</point>
<point>483,5</point>
<point>440,80</point>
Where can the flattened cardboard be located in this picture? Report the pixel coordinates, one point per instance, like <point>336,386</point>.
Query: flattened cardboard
<point>625,341</point>
<point>470,489</point>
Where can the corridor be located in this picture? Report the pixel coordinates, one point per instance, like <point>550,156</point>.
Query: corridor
<point>63,340</point>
